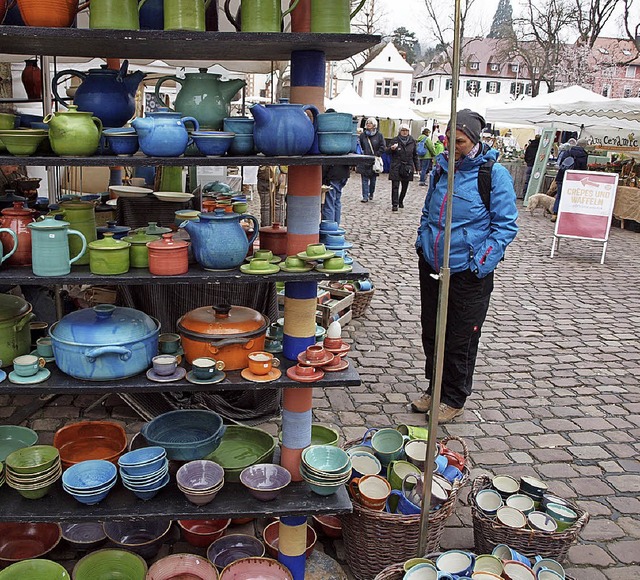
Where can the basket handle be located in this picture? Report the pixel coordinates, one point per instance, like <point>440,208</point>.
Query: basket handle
<point>465,449</point>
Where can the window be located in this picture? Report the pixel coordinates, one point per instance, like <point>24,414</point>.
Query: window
<point>447,85</point>
<point>431,84</point>
<point>387,88</point>
<point>603,50</point>
<point>493,87</point>
<point>528,89</point>
<point>536,70</point>
<point>494,67</point>
<point>627,92</point>
<point>474,66</point>
<point>630,72</point>
<point>515,68</point>
<point>606,90</point>
<point>516,89</point>
<point>473,87</point>
<point>419,87</point>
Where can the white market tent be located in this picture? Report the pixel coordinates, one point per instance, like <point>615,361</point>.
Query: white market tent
<point>620,113</point>
<point>348,101</point>
<point>440,108</point>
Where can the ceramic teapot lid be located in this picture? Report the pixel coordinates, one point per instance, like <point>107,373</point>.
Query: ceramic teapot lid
<point>224,319</point>
<point>153,229</point>
<point>109,243</point>
<point>18,209</point>
<point>114,228</point>
<point>104,324</point>
<point>275,229</point>
<point>12,307</point>
<point>167,242</point>
<point>72,110</point>
<point>140,237</point>
<point>10,197</point>
<point>50,222</point>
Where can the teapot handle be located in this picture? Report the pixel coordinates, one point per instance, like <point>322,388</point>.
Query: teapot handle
<point>54,83</point>
<point>294,4</point>
<point>193,120</point>
<point>98,123</point>
<point>230,17</point>
<point>84,245</point>
<point>359,7</point>
<point>159,82</point>
<point>256,227</point>
<point>314,114</point>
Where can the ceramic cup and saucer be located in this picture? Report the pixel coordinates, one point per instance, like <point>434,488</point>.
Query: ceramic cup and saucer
<point>215,377</point>
<point>338,364</point>
<point>42,375</point>
<point>265,255</point>
<point>334,265</point>
<point>316,252</point>
<point>336,346</point>
<point>272,375</point>
<point>176,375</point>
<point>315,356</point>
<point>304,374</point>
<point>29,369</point>
<point>262,367</point>
<point>259,267</point>
<point>294,264</point>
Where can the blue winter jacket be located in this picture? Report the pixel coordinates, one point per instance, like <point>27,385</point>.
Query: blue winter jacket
<point>478,237</point>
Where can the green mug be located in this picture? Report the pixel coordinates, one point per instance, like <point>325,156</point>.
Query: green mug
<point>114,14</point>
<point>185,15</point>
<point>259,15</point>
<point>413,431</point>
<point>333,15</point>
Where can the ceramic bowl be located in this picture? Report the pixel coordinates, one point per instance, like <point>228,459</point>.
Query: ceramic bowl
<point>242,145</point>
<point>147,490</point>
<point>424,571</point>
<point>271,536</point>
<point>518,571</point>
<point>202,533</point>
<point>121,141</point>
<point>84,535</point>
<point>455,562</point>
<point>200,476</point>
<point>22,541</point>
<point>142,461</point>
<point>263,568</point>
<point>489,501</point>
<point>228,549</point>
<point>265,481</point>
<point>182,566</point>
<point>541,521</point>
<point>532,486</point>
<point>213,143</point>
<point>90,440</point>
<point>110,563</point>
<point>325,458</point>
<point>14,437</point>
<point>549,564</point>
<point>33,459</point>
<point>89,476</point>
<point>511,517</point>
<point>548,498</point>
<point>202,498</point>
<point>238,125</point>
<point>331,526</point>
<point>563,515</point>
<point>93,497</point>
<point>505,485</point>
<point>140,537</point>
<point>35,570</point>
<point>22,141</point>
<point>334,142</point>
<point>521,502</point>
<point>144,481</point>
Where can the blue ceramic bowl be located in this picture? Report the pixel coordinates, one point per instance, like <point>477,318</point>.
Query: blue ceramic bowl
<point>90,498</point>
<point>334,142</point>
<point>149,481</point>
<point>121,141</point>
<point>142,461</point>
<point>213,143</point>
<point>238,125</point>
<point>242,145</point>
<point>342,122</point>
<point>147,494</point>
<point>88,476</point>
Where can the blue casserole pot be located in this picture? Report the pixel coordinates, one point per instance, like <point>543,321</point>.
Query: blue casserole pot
<point>105,342</point>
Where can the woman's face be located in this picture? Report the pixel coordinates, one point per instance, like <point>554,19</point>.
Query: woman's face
<point>370,126</point>
<point>463,145</point>
<point>404,132</point>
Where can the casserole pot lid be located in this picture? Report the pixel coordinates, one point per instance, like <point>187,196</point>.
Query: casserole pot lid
<point>167,242</point>
<point>109,243</point>
<point>275,229</point>
<point>140,237</point>
<point>12,307</point>
<point>104,324</point>
<point>223,319</point>
<point>18,209</point>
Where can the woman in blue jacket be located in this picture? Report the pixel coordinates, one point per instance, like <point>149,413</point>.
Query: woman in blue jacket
<point>481,230</point>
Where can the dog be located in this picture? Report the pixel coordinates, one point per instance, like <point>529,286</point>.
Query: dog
<point>541,200</point>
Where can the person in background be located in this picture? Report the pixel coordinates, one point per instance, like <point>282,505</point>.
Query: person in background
<point>336,177</point>
<point>439,145</point>
<point>479,237</point>
<point>575,158</point>
<point>530,153</point>
<point>404,162</point>
<point>371,143</point>
<point>426,161</point>
<point>563,151</point>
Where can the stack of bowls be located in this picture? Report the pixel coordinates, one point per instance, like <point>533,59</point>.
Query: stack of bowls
<point>90,481</point>
<point>325,468</point>
<point>33,470</point>
<point>145,471</point>
<point>200,481</point>
<point>2,475</point>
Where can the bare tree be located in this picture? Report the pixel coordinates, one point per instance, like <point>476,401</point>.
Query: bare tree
<point>591,18</point>
<point>631,23</point>
<point>368,20</point>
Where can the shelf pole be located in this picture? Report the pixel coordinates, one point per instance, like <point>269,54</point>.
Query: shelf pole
<point>303,225</point>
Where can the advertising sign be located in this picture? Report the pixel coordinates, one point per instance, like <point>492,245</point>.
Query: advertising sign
<point>540,165</point>
<point>586,207</point>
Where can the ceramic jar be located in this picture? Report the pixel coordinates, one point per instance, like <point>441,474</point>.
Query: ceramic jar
<point>168,257</point>
<point>108,256</point>
<point>82,217</point>
<point>333,15</point>
<point>15,333</point>
<point>17,219</point>
<point>259,15</point>
<point>114,14</point>
<point>31,78</point>
<point>74,133</point>
<point>51,241</point>
<point>185,14</point>
<point>274,238</point>
<point>139,252</point>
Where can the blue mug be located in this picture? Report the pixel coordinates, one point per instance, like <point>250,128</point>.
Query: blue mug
<point>364,285</point>
<point>504,552</point>
<point>452,473</point>
<point>405,506</point>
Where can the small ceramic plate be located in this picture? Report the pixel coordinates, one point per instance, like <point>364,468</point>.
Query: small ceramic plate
<point>246,269</point>
<point>291,373</point>
<point>46,358</point>
<point>333,270</point>
<point>42,375</point>
<point>272,375</point>
<point>274,260</point>
<point>179,373</point>
<point>344,348</point>
<point>325,256</point>
<point>295,270</point>
<point>173,196</point>
<point>302,359</point>
<point>344,364</point>
<point>130,190</point>
<point>216,378</point>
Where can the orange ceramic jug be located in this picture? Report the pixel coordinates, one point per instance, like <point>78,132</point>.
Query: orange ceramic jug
<point>54,13</point>
<point>16,219</point>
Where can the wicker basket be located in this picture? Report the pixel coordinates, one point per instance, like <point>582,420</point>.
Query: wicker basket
<point>375,539</point>
<point>396,572</point>
<point>489,532</point>
<point>361,302</point>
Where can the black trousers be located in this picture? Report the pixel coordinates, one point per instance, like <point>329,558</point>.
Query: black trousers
<point>395,186</point>
<point>468,304</point>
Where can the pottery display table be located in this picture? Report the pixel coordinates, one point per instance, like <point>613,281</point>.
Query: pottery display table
<point>627,204</point>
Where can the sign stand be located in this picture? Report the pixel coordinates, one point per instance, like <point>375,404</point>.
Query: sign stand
<point>540,165</point>
<point>586,207</point>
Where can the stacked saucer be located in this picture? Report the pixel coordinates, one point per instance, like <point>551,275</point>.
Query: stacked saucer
<point>33,470</point>
<point>333,237</point>
<point>325,468</point>
<point>145,471</point>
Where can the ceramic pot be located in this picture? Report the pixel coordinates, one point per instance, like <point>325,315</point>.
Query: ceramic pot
<point>259,15</point>
<point>12,236</point>
<point>219,241</point>
<point>112,227</point>
<point>274,238</point>
<point>185,14</point>
<point>163,134</point>
<point>151,15</point>
<point>203,96</point>
<point>224,332</point>
<point>16,220</point>
<point>105,342</point>
<point>50,241</point>
<point>108,94</point>
<point>283,129</point>
<point>114,14</point>
<point>50,13</point>
<point>15,333</point>
<point>32,79</point>
<point>81,217</point>
<point>139,252</point>
<point>73,132</point>
<point>109,256</point>
<point>168,256</point>
<point>333,15</point>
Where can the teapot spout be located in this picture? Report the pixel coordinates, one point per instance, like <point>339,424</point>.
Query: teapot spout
<point>142,125</point>
<point>133,80</point>
<point>231,87</point>
<point>189,225</point>
<point>261,114</point>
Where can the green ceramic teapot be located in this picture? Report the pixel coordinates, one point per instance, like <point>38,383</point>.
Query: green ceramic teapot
<point>74,133</point>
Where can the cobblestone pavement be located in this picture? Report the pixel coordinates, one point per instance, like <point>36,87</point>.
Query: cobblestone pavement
<point>556,389</point>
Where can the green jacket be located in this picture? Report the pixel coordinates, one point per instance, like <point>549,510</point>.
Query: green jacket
<point>439,147</point>
<point>431,152</point>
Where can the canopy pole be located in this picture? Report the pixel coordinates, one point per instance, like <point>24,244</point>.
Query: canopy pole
<point>443,296</point>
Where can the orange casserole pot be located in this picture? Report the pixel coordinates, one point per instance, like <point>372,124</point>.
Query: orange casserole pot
<point>223,332</point>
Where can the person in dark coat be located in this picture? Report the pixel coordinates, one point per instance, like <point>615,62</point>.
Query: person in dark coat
<point>576,158</point>
<point>336,177</point>
<point>404,162</point>
<point>371,143</point>
<point>530,159</point>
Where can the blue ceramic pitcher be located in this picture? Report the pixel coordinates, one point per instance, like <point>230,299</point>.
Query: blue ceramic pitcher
<point>50,244</point>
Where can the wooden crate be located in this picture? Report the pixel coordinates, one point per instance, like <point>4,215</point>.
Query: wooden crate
<point>337,308</point>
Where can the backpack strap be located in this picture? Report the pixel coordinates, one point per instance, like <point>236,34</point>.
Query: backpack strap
<point>484,181</point>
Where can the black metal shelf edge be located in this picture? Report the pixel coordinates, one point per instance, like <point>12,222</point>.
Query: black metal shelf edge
<point>61,383</point>
<point>121,504</point>
<point>178,44</point>
<point>143,160</point>
<point>196,275</point>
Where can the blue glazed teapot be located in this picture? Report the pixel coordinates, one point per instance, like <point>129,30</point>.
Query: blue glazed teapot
<point>108,94</point>
<point>218,240</point>
<point>284,129</point>
<point>163,134</point>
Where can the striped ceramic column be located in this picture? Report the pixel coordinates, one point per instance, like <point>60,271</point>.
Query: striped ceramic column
<point>303,221</point>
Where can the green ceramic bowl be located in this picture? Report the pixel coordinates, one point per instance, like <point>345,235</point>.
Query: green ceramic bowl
<point>32,459</point>
<point>14,437</point>
<point>22,141</point>
<point>35,570</point>
<point>108,564</point>
<point>241,447</point>
<point>321,435</point>
<point>35,493</point>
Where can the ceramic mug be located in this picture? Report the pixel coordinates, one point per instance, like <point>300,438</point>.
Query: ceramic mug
<point>364,463</point>
<point>315,353</point>
<point>44,347</point>
<point>261,362</point>
<point>404,506</point>
<point>371,491</point>
<point>416,452</point>
<point>504,552</point>
<point>27,365</point>
<point>168,343</point>
<point>388,445</point>
<point>263,255</point>
<point>164,364</point>
<point>413,431</point>
<point>316,250</point>
<point>205,368</point>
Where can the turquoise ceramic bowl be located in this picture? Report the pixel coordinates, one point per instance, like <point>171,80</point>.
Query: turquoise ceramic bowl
<point>341,122</point>
<point>14,437</point>
<point>334,142</point>
<point>109,564</point>
<point>325,458</point>
<point>35,570</point>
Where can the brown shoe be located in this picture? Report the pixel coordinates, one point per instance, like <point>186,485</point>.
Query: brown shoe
<point>421,405</point>
<point>446,414</point>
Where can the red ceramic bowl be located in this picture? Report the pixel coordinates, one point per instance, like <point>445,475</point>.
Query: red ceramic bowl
<point>182,566</point>
<point>202,533</point>
<point>23,541</point>
<point>270,535</point>
<point>331,526</point>
<point>90,440</point>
